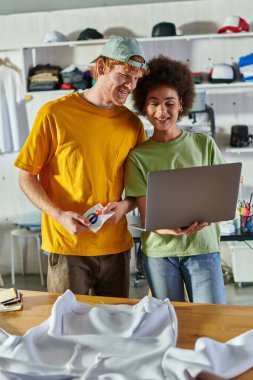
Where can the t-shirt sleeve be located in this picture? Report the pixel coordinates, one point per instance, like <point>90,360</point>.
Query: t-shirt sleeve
<point>141,135</point>
<point>135,181</point>
<point>216,155</point>
<point>39,147</point>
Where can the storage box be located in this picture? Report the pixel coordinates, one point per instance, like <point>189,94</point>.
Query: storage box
<point>242,261</point>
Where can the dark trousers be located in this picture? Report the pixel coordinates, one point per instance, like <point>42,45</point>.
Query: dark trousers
<point>106,275</point>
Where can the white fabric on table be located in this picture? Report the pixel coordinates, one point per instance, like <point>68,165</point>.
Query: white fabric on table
<point>116,342</point>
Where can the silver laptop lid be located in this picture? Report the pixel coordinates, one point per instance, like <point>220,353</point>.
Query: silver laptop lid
<point>180,197</point>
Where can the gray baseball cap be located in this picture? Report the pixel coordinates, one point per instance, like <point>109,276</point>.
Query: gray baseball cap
<point>122,48</point>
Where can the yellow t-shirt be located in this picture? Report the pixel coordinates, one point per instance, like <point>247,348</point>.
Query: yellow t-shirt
<point>79,152</point>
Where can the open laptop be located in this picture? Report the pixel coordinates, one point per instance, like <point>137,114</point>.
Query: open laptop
<point>180,197</point>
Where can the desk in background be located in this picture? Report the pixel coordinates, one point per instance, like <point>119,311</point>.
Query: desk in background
<point>219,322</point>
<point>237,236</point>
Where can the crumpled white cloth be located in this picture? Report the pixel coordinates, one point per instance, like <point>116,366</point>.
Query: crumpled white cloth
<point>116,342</point>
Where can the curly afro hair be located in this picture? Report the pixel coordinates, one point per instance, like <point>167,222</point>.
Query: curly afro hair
<point>165,72</point>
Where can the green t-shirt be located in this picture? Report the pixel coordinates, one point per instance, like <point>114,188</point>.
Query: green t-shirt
<point>188,150</point>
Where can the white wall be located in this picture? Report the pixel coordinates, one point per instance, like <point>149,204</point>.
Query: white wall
<point>24,6</point>
<point>190,17</point>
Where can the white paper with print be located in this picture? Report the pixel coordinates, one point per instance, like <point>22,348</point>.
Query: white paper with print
<point>96,217</point>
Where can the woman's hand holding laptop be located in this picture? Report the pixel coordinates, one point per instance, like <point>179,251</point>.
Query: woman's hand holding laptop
<point>194,227</point>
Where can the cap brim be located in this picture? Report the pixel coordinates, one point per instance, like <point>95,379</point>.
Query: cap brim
<point>233,29</point>
<point>139,65</point>
<point>94,60</point>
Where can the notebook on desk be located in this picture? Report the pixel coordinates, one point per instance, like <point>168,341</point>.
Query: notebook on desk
<point>180,197</point>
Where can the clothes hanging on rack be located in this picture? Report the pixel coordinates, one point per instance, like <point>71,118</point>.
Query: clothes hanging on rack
<point>13,118</point>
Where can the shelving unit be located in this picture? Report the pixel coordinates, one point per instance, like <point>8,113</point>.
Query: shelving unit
<point>188,37</point>
<point>224,86</point>
<point>209,87</point>
<point>215,87</point>
<point>199,51</point>
<point>188,48</point>
<point>240,150</point>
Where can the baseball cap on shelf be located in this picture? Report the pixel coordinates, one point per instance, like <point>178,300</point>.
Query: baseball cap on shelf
<point>234,24</point>
<point>54,36</point>
<point>164,29</point>
<point>89,34</point>
<point>197,77</point>
<point>222,73</point>
<point>123,48</point>
<point>246,60</point>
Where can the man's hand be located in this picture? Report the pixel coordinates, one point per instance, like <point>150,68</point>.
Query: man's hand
<point>119,209</point>
<point>73,222</point>
<point>186,231</point>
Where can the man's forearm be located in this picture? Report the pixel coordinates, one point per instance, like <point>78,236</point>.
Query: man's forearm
<point>73,222</point>
<point>129,204</point>
<point>31,187</point>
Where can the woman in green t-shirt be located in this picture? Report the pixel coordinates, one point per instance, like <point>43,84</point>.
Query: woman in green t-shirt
<point>174,260</point>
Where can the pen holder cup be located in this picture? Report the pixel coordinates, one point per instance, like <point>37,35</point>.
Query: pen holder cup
<point>246,223</point>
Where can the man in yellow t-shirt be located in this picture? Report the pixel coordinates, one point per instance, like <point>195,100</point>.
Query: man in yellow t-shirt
<point>74,159</point>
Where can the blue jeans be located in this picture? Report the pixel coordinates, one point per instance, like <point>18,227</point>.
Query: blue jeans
<point>200,274</point>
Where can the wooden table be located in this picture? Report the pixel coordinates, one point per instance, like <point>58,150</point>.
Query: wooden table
<point>194,320</point>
